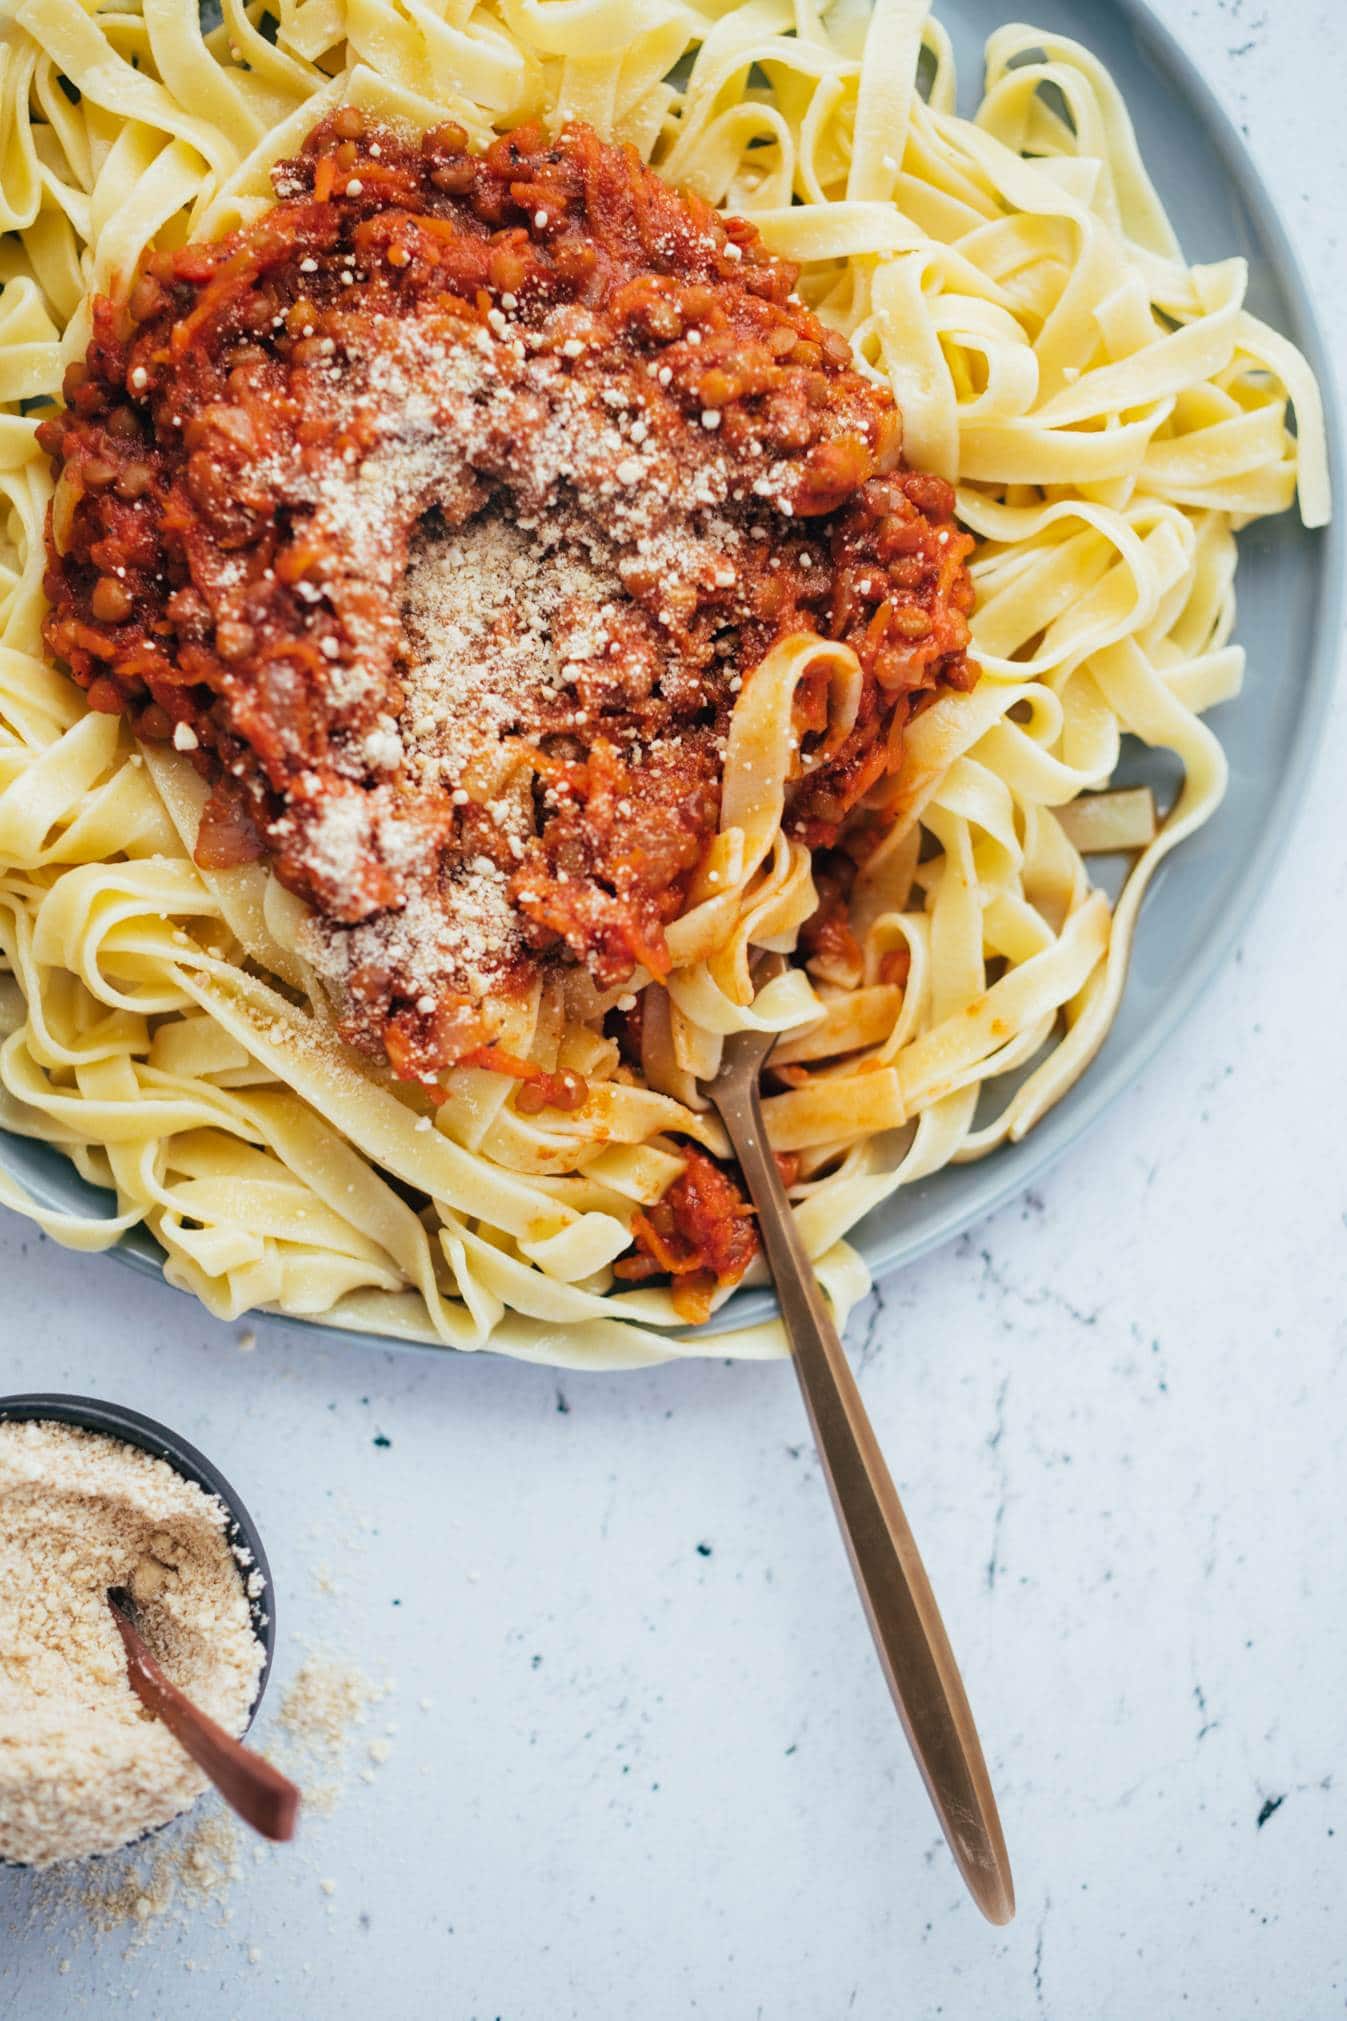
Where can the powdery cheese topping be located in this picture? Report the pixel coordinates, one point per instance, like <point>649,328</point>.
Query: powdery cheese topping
<point>487,599</point>
<point>516,619</point>
<point>83,1767</point>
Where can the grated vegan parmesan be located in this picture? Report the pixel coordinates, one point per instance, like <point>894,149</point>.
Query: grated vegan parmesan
<point>84,1768</point>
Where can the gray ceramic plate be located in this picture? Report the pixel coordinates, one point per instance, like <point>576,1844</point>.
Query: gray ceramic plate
<point>1290,597</point>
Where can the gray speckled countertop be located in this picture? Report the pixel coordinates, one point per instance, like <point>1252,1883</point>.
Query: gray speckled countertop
<point>657,1774</point>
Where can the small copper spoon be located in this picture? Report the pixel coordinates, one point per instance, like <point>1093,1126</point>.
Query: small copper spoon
<point>904,1619</point>
<point>262,1796</point>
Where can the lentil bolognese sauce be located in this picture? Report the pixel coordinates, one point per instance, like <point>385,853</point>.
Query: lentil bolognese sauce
<point>442,514</point>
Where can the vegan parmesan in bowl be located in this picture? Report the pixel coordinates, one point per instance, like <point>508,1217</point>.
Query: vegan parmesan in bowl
<point>84,1768</point>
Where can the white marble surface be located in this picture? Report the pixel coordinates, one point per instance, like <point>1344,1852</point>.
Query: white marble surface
<point>656,1782</point>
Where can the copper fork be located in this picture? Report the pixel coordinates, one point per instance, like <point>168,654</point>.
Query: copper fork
<point>904,1619</point>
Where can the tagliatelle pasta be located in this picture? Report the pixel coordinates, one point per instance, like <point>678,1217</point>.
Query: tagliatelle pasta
<point>1109,417</point>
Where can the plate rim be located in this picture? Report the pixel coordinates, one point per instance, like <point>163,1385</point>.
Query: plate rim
<point>1018,1165</point>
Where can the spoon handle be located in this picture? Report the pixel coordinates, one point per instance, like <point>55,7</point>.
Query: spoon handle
<point>909,1634</point>
<point>262,1796</point>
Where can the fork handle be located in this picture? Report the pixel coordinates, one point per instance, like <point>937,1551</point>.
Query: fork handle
<point>913,1647</point>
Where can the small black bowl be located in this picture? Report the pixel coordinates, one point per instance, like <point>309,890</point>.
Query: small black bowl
<point>114,1420</point>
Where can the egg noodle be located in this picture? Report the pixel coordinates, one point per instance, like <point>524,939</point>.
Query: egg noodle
<point>1111,417</point>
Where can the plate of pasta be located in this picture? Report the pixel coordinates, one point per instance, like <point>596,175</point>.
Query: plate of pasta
<point>514,511</point>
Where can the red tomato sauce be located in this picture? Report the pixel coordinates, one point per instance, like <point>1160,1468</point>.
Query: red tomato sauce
<point>441,514</point>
